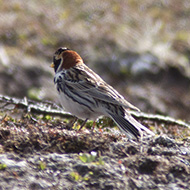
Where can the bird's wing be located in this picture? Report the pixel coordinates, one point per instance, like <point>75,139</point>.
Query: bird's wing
<point>88,82</point>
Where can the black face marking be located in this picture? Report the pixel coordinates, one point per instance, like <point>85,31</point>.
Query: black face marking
<point>60,50</point>
<point>58,61</point>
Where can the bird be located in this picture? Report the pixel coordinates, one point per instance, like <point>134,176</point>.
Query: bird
<point>84,94</point>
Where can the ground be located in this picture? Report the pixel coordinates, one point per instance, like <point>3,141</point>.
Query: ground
<point>43,152</point>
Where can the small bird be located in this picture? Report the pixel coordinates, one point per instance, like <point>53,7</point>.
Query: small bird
<point>87,96</point>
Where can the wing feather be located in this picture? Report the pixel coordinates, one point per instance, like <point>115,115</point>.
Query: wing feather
<point>91,84</point>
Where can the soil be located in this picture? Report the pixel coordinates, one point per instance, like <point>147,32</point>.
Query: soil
<point>42,152</point>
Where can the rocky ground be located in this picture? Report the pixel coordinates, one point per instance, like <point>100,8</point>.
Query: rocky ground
<point>42,152</point>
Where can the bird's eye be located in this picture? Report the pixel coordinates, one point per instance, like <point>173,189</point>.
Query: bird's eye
<point>57,56</point>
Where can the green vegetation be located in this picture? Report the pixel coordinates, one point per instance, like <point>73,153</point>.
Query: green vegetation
<point>42,165</point>
<point>3,166</point>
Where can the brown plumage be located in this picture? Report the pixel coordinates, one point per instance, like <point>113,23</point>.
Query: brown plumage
<point>84,94</point>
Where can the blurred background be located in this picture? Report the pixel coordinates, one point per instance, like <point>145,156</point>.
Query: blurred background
<point>141,48</point>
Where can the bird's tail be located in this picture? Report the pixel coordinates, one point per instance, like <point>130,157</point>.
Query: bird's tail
<point>130,126</point>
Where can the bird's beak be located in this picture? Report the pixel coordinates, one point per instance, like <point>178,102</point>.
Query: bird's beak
<point>52,65</point>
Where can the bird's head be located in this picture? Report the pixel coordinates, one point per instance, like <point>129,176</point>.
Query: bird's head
<point>64,58</point>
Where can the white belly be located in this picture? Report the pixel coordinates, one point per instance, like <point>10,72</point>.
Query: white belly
<point>77,109</point>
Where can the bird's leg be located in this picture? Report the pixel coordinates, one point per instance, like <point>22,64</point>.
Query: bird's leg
<point>93,125</point>
<point>72,122</point>
<point>82,125</point>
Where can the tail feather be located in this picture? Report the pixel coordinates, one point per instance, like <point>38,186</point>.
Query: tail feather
<point>130,126</point>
